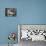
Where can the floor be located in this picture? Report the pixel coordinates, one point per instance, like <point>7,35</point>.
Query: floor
<point>30,43</point>
<point>7,45</point>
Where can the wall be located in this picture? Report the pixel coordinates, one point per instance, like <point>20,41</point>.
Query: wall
<point>28,12</point>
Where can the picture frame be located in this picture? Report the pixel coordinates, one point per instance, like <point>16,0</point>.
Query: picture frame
<point>10,12</point>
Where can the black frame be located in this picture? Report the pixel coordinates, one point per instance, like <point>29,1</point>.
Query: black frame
<point>14,10</point>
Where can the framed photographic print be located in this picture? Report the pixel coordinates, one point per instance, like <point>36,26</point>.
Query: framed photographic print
<point>28,34</point>
<point>32,32</point>
<point>10,11</point>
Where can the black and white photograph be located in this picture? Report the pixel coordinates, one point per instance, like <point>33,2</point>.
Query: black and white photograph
<point>31,34</point>
<point>10,11</point>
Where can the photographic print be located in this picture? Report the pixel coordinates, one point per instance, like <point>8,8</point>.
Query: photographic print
<point>10,11</point>
<point>29,34</point>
